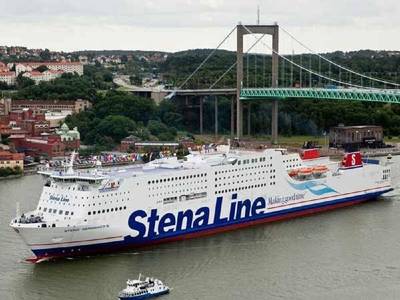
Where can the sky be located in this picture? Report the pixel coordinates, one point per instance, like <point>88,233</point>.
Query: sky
<point>174,25</point>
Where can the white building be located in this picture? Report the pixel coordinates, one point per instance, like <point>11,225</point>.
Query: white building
<point>42,76</point>
<point>65,66</point>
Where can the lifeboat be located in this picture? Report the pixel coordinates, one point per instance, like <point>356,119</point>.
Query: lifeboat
<point>305,172</point>
<point>293,172</point>
<point>320,170</point>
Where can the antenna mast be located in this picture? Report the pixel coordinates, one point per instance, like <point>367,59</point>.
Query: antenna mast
<point>258,14</point>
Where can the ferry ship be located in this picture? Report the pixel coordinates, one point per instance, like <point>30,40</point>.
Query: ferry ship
<point>143,289</point>
<point>169,199</point>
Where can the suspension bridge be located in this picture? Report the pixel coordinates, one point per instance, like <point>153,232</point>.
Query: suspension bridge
<point>306,81</point>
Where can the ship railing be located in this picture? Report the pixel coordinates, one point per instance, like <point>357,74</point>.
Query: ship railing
<point>31,219</point>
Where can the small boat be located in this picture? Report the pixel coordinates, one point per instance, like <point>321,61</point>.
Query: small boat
<point>318,171</point>
<point>143,289</point>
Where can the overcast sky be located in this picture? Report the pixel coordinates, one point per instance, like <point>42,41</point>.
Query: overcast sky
<point>173,25</point>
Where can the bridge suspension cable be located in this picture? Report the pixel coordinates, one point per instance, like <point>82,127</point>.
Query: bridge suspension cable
<point>207,58</point>
<point>303,68</point>
<point>336,64</point>
<point>234,64</point>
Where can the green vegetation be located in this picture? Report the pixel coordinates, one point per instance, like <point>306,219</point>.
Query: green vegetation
<point>257,68</point>
<point>296,117</point>
<point>4,172</point>
<point>116,115</point>
<point>68,86</point>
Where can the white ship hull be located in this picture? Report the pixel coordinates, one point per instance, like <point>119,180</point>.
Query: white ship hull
<point>169,203</point>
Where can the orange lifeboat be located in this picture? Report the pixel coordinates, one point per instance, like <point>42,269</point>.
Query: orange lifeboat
<point>320,170</point>
<point>305,172</point>
<point>293,172</point>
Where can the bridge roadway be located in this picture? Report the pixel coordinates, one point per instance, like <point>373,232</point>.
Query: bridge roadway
<point>371,95</point>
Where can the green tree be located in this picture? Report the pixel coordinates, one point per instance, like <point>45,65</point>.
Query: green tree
<point>116,127</point>
<point>45,55</point>
<point>24,82</point>
<point>41,68</point>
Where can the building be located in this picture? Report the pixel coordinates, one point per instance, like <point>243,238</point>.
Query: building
<point>8,77</point>
<point>128,143</point>
<point>5,106</point>
<point>64,66</point>
<point>35,127</point>
<point>47,145</point>
<point>41,106</point>
<point>11,160</point>
<point>3,67</point>
<point>70,138</point>
<point>355,137</point>
<point>42,76</point>
<point>33,124</point>
<point>133,143</point>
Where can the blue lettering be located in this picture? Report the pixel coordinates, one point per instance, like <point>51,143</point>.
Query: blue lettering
<point>203,214</point>
<point>258,204</point>
<point>152,222</point>
<point>247,205</point>
<point>135,225</point>
<point>217,216</point>
<point>166,221</point>
<point>184,215</point>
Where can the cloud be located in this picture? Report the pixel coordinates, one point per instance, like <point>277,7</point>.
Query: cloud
<point>181,24</point>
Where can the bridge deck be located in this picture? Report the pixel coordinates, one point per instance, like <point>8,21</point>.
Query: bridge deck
<point>373,95</point>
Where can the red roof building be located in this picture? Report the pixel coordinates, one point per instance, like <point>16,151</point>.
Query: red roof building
<point>45,146</point>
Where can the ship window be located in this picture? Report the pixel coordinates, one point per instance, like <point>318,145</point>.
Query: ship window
<point>89,213</point>
<point>54,211</point>
<point>60,212</point>
<point>45,209</point>
<point>72,213</point>
<point>94,212</point>
<point>112,209</point>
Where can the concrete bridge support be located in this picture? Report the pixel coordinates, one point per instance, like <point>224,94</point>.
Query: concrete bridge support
<point>201,101</point>
<point>257,29</point>
<point>216,115</point>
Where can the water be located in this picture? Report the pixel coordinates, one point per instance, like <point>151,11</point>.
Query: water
<point>350,253</point>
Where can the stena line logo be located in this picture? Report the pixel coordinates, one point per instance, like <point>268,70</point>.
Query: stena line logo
<point>153,225</point>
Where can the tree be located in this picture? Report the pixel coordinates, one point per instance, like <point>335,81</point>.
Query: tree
<point>24,82</point>
<point>41,68</point>
<point>116,127</point>
<point>45,55</point>
<point>161,131</point>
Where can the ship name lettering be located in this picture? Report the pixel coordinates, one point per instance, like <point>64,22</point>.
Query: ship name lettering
<point>58,198</point>
<point>151,225</point>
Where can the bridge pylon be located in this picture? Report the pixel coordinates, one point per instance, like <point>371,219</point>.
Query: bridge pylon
<point>272,30</point>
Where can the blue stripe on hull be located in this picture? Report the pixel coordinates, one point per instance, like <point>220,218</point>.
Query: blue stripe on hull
<point>130,242</point>
<point>146,296</point>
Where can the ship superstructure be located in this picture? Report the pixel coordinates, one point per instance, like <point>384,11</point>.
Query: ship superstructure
<point>83,212</point>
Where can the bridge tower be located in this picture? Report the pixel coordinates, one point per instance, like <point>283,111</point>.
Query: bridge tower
<point>272,30</point>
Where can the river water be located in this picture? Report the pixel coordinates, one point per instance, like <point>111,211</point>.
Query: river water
<point>349,253</point>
